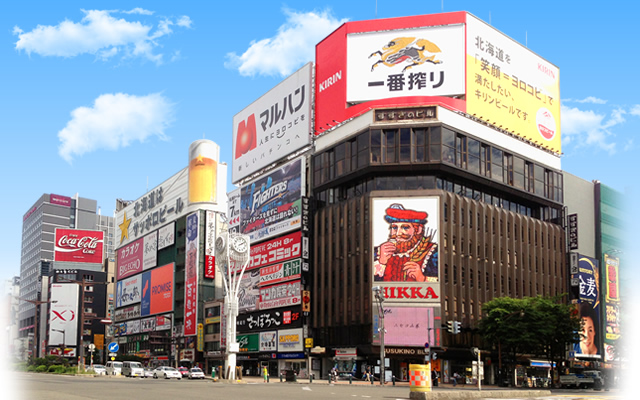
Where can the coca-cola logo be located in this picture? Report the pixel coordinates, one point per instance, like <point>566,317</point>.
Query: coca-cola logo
<point>71,243</point>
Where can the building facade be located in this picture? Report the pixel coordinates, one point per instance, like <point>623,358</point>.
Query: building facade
<point>40,222</point>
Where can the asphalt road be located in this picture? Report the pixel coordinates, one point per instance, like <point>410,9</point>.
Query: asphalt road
<point>56,387</point>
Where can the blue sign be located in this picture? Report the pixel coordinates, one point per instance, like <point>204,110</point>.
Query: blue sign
<point>113,347</point>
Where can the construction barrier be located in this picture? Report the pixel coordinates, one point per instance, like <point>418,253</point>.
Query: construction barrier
<point>419,378</point>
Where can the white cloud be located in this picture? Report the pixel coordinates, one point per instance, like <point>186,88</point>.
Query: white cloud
<point>184,21</point>
<point>587,128</point>
<point>98,33</point>
<point>139,10</point>
<point>635,110</point>
<point>292,46</point>
<point>592,100</point>
<point>114,121</point>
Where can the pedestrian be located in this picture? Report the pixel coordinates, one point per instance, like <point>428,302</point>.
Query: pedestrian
<point>434,378</point>
<point>455,378</point>
<point>265,374</point>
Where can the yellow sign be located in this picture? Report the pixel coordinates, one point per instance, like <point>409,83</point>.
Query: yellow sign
<point>98,340</point>
<point>200,337</point>
<point>308,343</point>
<point>212,320</point>
<point>113,358</point>
<point>511,87</point>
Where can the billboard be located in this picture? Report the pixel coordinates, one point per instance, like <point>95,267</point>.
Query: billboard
<point>409,326</point>
<point>128,291</point>
<point>209,245</point>
<point>290,317</point>
<point>249,342</point>
<point>150,251</point>
<point>405,242</point>
<point>166,235</point>
<point>282,295</point>
<point>157,290</point>
<point>191,275</point>
<point>281,272</point>
<point>60,200</point>
<point>203,171</point>
<point>163,322</point>
<point>64,315</point>
<point>75,245</point>
<point>274,126</point>
<point>269,341</point>
<point>125,313</point>
<point>290,340</point>
<point>427,61</point>
<point>248,292</point>
<point>130,259</point>
<point>272,205</point>
<point>589,307</point>
<point>148,324</point>
<point>280,249</point>
<point>511,87</point>
<point>233,211</point>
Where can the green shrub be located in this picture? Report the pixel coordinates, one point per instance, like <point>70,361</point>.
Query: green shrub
<point>71,370</point>
<point>41,368</point>
<point>55,369</point>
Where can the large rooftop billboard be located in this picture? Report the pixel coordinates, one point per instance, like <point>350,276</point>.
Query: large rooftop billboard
<point>453,60</point>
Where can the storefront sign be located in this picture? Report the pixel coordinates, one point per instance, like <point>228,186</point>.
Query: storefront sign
<point>290,340</point>
<point>125,313</point>
<point>280,249</point>
<point>283,295</point>
<point>405,114</point>
<point>191,276</point>
<point>268,341</point>
<point>280,272</point>
<point>166,235</point>
<point>209,241</point>
<point>269,319</point>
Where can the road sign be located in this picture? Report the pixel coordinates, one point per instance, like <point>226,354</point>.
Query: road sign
<point>113,354</point>
<point>113,347</point>
<point>92,347</point>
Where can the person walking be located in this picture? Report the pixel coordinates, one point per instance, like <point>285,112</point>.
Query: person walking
<point>265,374</point>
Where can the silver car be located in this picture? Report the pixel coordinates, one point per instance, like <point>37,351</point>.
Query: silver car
<point>166,373</point>
<point>196,373</point>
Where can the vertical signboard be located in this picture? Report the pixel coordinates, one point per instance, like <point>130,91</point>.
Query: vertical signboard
<point>272,205</point>
<point>274,126</point>
<point>130,259</point>
<point>405,243</point>
<point>612,306</point>
<point>512,87</point>
<point>74,245</point>
<point>150,252</point>
<point>249,292</point>
<point>63,319</point>
<point>233,211</point>
<point>203,171</point>
<point>209,243</point>
<point>166,235</point>
<point>589,306</point>
<point>200,342</point>
<point>573,231</point>
<point>191,276</point>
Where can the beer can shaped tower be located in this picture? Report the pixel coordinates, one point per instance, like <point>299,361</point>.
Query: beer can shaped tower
<point>203,168</point>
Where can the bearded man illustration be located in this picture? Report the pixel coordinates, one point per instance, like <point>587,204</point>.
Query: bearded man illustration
<point>409,254</point>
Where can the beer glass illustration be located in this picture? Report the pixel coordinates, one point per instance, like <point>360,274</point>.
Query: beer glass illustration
<point>203,169</point>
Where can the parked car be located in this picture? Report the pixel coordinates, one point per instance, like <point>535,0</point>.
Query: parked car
<point>196,373</point>
<point>148,372</point>
<point>99,369</point>
<point>166,373</point>
<point>184,371</point>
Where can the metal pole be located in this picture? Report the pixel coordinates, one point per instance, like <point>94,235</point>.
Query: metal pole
<point>381,345</point>
<point>479,384</point>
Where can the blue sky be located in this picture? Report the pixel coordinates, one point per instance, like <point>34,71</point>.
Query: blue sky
<point>103,98</point>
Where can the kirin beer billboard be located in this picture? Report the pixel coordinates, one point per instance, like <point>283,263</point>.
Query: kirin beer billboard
<point>74,245</point>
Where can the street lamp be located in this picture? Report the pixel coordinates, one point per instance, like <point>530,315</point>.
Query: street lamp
<point>377,290</point>
<point>232,256</point>
<point>36,335</point>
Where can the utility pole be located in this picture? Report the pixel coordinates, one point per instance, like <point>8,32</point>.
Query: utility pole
<point>377,290</point>
<point>36,335</point>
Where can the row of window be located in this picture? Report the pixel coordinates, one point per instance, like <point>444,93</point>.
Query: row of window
<point>406,183</point>
<point>435,144</point>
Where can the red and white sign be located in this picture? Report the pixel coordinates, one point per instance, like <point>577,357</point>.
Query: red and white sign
<point>74,245</point>
<point>279,249</point>
<point>60,200</point>
<point>283,295</point>
<point>191,276</point>
<point>343,69</point>
<point>130,259</point>
<point>209,246</point>
<point>63,318</point>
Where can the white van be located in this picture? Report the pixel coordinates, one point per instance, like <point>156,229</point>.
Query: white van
<point>114,367</point>
<point>132,368</point>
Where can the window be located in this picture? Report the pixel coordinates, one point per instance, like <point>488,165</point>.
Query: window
<point>405,145</point>
<point>485,160</point>
<point>389,143</point>
<point>448,146</point>
<point>376,146</point>
<point>474,156</point>
<point>496,164</point>
<point>419,153</point>
<point>461,151</point>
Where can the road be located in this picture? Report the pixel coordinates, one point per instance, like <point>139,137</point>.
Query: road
<point>57,387</point>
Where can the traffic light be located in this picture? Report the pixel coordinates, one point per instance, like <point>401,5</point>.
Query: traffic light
<point>450,326</point>
<point>456,327</point>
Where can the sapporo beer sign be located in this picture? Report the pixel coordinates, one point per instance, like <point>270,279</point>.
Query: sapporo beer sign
<point>74,245</point>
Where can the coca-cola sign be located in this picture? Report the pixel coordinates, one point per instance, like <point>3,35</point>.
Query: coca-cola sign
<point>74,245</point>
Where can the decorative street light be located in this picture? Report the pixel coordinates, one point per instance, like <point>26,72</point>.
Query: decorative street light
<point>232,256</point>
<point>377,290</point>
<point>36,335</point>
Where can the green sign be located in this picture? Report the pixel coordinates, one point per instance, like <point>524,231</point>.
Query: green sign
<point>248,342</point>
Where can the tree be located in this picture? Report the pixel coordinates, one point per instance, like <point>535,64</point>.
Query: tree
<point>531,325</point>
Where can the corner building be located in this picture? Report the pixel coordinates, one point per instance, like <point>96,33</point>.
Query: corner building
<point>418,135</point>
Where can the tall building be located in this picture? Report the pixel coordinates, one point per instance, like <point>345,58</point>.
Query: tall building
<point>49,212</point>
